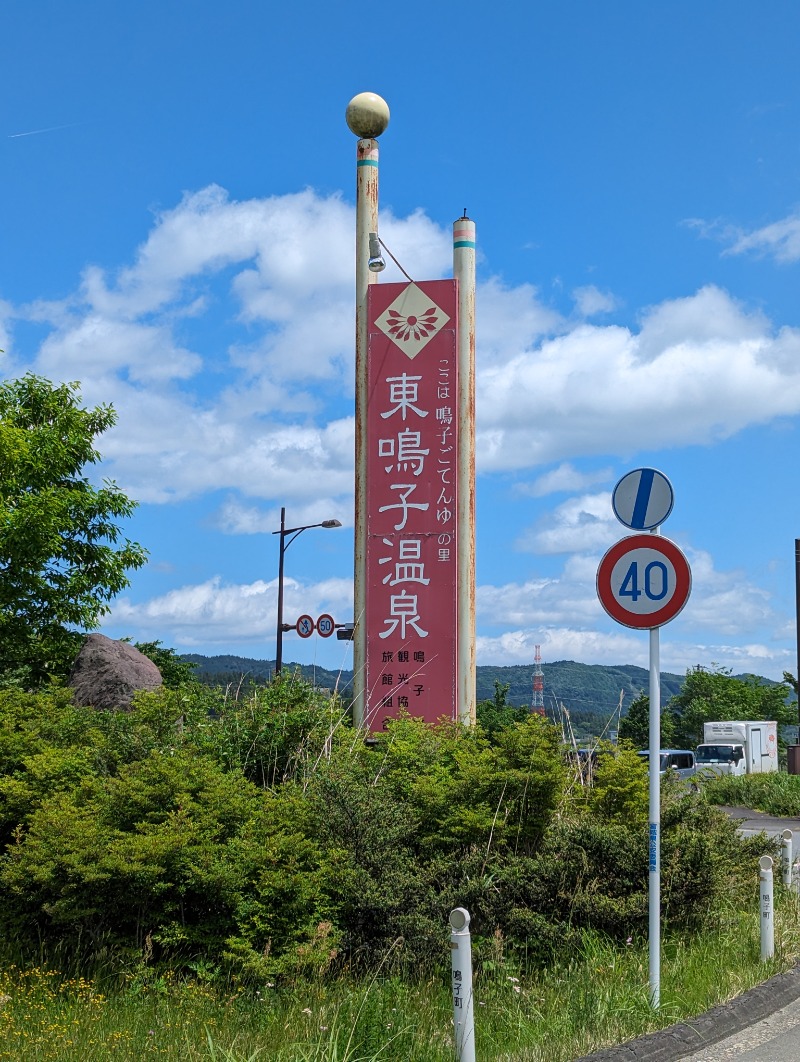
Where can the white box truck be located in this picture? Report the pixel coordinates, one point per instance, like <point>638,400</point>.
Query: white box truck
<point>738,748</point>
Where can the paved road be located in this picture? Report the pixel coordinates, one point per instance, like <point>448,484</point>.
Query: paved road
<point>775,1039</point>
<point>751,822</point>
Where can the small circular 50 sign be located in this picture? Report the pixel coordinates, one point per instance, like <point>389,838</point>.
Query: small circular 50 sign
<point>643,581</point>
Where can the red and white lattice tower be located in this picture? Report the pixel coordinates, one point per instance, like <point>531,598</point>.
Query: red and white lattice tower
<point>537,704</point>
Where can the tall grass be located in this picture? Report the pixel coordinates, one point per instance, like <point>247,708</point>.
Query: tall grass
<point>598,998</point>
<point>777,793</point>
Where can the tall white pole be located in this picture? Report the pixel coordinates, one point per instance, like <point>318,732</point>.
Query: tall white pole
<point>655,821</point>
<point>367,116</point>
<point>464,272</point>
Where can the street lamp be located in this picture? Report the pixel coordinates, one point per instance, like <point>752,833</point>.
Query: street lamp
<point>284,545</point>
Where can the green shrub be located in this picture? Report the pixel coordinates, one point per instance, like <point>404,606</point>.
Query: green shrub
<point>264,837</point>
<point>620,788</point>
<point>776,793</point>
<point>276,731</point>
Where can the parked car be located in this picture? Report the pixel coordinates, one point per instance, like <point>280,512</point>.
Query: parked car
<point>680,760</point>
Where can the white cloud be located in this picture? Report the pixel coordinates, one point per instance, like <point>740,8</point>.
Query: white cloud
<point>237,519</point>
<point>567,599</point>
<point>510,321</point>
<point>607,390</point>
<point>96,346</point>
<point>276,277</point>
<point>711,317</point>
<point>780,240</point>
<point>560,643</point>
<point>590,301</point>
<point>267,412</point>
<point>167,450</point>
<point>628,647</point>
<point>226,345</point>
<point>219,613</point>
<point>725,602</point>
<point>563,478</point>
<point>580,524</point>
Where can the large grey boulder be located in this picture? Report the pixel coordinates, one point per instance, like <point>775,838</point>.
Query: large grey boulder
<point>107,673</point>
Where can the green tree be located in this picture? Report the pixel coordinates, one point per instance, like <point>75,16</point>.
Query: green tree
<point>635,726</point>
<point>174,671</point>
<point>61,557</point>
<point>620,789</point>
<point>791,681</point>
<point>715,694</point>
<point>496,714</point>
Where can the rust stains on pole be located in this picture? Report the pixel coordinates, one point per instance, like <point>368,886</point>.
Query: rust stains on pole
<point>464,272</point>
<point>367,116</point>
<point>797,609</point>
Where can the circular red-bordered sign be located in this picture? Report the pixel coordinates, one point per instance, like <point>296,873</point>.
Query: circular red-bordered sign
<point>644,581</point>
<point>305,626</point>
<point>325,625</point>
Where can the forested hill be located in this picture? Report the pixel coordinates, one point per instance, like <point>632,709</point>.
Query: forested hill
<point>593,688</point>
<point>583,689</point>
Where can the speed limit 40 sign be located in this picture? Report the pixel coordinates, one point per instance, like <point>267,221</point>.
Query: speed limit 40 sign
<point>644,581</point>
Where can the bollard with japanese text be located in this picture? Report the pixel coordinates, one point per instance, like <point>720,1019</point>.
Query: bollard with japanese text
<point>461,957</point>
<point>787,858</point>
<point>767,908</point>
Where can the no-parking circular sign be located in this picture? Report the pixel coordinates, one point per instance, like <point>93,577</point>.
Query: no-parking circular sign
<point>644,581</point>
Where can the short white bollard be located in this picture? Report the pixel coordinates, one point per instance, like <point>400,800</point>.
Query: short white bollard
<point>787,860</point>
<point>767,913</point>
<point>461,957</point>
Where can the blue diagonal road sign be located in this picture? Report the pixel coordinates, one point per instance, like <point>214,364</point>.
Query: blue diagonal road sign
<point>643,499</point>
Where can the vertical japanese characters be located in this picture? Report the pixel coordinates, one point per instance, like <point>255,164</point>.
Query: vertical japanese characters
<point>412,452</point>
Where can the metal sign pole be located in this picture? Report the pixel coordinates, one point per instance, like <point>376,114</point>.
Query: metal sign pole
<point>797,610</point>
<point>367,116</point>
<point>643,582</point>
<point>464,272</point>
<point>655,821</point>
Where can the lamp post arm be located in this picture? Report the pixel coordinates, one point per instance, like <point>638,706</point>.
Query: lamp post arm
<point>297,531</point>
<point>284,544</point>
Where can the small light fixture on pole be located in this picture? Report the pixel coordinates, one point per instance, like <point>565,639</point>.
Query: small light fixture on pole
<point>376,263</point>
<point>284,545</point>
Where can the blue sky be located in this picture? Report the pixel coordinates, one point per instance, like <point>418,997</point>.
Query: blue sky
<point>177,233</point>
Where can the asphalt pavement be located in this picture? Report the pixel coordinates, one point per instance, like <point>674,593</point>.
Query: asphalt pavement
<point>750,822</point>
<point>762,1025</point>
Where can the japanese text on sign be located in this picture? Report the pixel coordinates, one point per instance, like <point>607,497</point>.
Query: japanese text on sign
<point>412,462</point>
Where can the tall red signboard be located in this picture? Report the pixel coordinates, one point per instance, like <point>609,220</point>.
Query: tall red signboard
<point>412,471</point>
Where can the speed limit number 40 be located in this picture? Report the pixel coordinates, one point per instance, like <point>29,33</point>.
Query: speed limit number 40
<point>644,581</point>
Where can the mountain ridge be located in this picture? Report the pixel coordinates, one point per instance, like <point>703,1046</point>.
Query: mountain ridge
<point>594,689</point>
